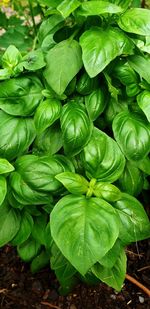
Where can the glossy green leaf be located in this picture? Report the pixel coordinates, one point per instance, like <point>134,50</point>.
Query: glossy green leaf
<point>5,166</point>
<point>143,100</point>
<point>97,8</point>
<point>11,58</point>
<point>66,7</point>
<point>49,26</point>
<point>115,276</point>
<point>74,183</point>
<point>46,114</point>
<point>99,52</point>
<point>38,230</point>
<point>39,262</point>
<point>25,229</point>
<point>63,62</point>
<point>20,96</point>
<point>135,20</point>
<point>113,108</point>
<point>3,189</point>
<point>28,250</point>
<point>134,222</point>
<point>102,158</point>
<point>9,224</point>
<point>141,65</point>
<point>24,194</point>
<point>76,128</point>
<point>87,223</point>
<point>49,141</point>
<point>17,134</point>
<point>132,134</point>
<point>85,84</point>
<point>111,256</point>
<point>95,103</point>
<point>131,181</point>
<point>143,165</point>
<point>39,171</point>
<point>107,191</point>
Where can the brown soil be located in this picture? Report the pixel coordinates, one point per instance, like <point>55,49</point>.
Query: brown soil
<point>19,289</point>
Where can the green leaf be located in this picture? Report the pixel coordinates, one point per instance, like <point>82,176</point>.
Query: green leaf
<point>64,271</point>
<point>143,100</point>
<point>46,114</point>
<point>144,165</point>
<point>39,262</point>
<point>66,7</point>
<point>76,128</point>
<point>63,62</point>
<point>3,189</point>
<point>24,194</point>
<point>34,60</point>
<point>115,276</point>
<point>81,227</point>
<point>107,191</point>
<point>9,223</point>
<point>74,183</point>
<point>134,222</point>
<point>20,96</point>
<point>135,20</point>
<point>102,158</point>
<point>28,250</point>
<point>131,181</point>
<point>111,256</point>
<point>39,171</point>
<point>49,26</point>
<point>17,134</point>
<point>99,52</point>
<point>98,8</point>
<point>38,230</point>
<point>50,141</point>
<point>95,103</point>
<point>24,232</point>
<point>5,74</point>
<point>132,134</point>
<point>141,65</point>
<point>11,58</point>
<point>5,166</point>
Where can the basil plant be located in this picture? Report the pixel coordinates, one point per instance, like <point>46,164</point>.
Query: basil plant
<point>75,140</point>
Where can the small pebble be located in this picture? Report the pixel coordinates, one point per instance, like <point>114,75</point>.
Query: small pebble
<point>141,299</point>
<point>112,296</point>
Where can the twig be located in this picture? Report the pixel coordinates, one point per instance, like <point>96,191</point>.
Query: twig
<point>32,16</point>
<point>50,305</point>
<point>137,283</point>
<point>143,268</point>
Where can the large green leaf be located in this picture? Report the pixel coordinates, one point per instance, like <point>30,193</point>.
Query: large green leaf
<point>63,63</point>
<point>134,222</point>
<point>110,258</point>
<point>46,114</point>
<point>24,232</point>
<point>135,20</point>
<point>39,171</point>
<point>143,100</point>
<point>3,189</point>
<point>132,133</point>
<point>97,8</point>
<point>81,228</point>
<point>9,224</point>
<point>102,158</point>
<point>115,276</point>
<point>76,128</point>
<point>16,134</point>
<point>66,7</point>
<point>20,96</point>
<point>5,166</point>
<point>98,51</point>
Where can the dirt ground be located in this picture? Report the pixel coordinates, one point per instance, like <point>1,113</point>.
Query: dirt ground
<point>19,289</point>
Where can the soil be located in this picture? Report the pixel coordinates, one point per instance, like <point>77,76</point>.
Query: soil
<point>19,289</point>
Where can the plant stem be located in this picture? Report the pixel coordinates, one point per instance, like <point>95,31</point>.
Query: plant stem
<point>32,16</point>
<point>137,283</point>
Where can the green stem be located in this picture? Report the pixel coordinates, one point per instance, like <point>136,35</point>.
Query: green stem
<point>32,16</point>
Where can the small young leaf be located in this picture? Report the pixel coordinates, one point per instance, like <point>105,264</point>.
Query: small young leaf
<point>34,60</point>
<point>11,58</point>
<point>107,191</point>
<point>66,7</point>
<point>39,262</point>
<point>74,183</point>
<point>143,100</point>
<point>5,166</point>
<point>97,8</point>
<point>95,103</point>
<point>28,250</point>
